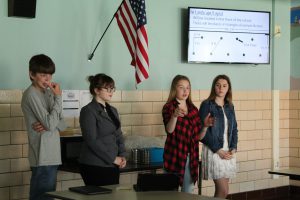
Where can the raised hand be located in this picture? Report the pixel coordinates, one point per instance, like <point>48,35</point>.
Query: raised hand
<point>55,88</point>
<point>209,120</point>
<point>178,112</point>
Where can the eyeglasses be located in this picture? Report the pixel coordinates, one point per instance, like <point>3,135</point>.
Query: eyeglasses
<point>109,90</point>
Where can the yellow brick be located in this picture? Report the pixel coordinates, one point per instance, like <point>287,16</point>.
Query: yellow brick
<point>19,137</point>
<point>25,150</point>
<point>263,144</point>
<point>263,124</point>
<point>19,192</point>
<point>246,166</point>
<point>10,96</point>
<point>247,186</point>
<point>254,175</point>
<point>247,105</point>
<point>242,135</point>
<point>293,94</point>
<point>261,184</point>
<point>204,94</point>
<point>254,135</point>
<point>4,110</point>
<point>141,107</point>
<point>284,152</point>
<point>294,143</point>
<point>294,162</point>
<point>284,104</point>
<point>4,166</point>
<point>294,104</point>
<point>195,95</point>
<point>117,96</point>
<point>247,125</point>
<point>240,177</point>
<point>10,179</point>
<point>267,114</point>
<point>20,164</point>
<point>254,155</point>
<point>240,95</point>
<point>165,95</point>
<point>263,164</point>
<point>153,95</point>
<point>267,153</point>
<point>254,115</point>
<point>263,105</point>
<point>284,162</point>
<point>26,176</point>
<point>241,156</point>
<point>123,108</point>
<point>254,95</point>
<point>142,130</point>
<point>4,138</point>
<point>267,95</point>
<point>126,130</point>
<point>4,193</point>
<point>16,110</point>
<point>241,115</point>
<point>133,119</point>
<point>152,119</point>
<point>234,188</point>
<point>132,96</point>
<point>246,145</point>
<point>10,151</point>
<point>267,134</point>
<point>294,123</point>
<point>293,152</point>
<point>157,107</point>
<point>284,143</point>
<point>284,94</point>
<point>158,130</point>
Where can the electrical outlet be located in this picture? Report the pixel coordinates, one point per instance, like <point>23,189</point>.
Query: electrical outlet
<point>277,31</point>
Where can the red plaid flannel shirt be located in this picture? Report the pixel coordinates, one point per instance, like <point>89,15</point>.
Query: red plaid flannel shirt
<point>184,140</point>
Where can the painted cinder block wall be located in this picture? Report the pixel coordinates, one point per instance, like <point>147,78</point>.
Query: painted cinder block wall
<point>140,113</point>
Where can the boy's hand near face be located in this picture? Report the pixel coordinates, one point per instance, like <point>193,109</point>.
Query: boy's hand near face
<point>55,88</point>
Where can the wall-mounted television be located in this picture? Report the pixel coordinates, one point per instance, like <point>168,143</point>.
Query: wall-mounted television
<point>228,36</point>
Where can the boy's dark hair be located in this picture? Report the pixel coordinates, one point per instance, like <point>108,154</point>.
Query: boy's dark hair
<point>41,64</point>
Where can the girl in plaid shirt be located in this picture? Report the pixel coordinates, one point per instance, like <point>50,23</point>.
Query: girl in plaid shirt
<point>183,125</point>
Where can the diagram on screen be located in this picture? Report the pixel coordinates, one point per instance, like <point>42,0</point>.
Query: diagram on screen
<point>226,36</point>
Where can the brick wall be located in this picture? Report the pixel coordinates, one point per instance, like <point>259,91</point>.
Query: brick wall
<point>140,113</point>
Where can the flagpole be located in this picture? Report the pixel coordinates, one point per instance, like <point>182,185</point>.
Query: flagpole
<point>92,54</point>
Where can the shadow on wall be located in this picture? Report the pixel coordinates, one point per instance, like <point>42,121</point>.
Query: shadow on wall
<point>295,83</point>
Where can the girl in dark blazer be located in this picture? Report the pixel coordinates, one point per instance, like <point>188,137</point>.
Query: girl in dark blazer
<point>103,150</point>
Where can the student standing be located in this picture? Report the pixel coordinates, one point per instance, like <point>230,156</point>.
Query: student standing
<point>42,109</point>
<point>220,140</point>
<point>182,124</point>
<point>103,150</point>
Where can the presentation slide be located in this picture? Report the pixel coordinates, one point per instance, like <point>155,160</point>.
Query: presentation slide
<point>230,36</point>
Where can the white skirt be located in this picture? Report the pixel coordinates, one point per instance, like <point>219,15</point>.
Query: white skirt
<point>214,167</point>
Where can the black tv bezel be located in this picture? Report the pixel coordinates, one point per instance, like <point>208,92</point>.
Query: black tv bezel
<point>239,10</point>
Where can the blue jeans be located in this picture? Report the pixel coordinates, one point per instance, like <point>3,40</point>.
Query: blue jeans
<point>187,185</point>
<point>43,179</point>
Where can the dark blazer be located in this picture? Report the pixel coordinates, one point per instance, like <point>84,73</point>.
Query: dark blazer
<point>103,141</point>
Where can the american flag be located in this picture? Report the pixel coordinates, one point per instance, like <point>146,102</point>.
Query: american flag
<point>131,19</point>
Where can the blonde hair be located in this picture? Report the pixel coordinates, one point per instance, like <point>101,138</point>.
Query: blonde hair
<point>172,94</point>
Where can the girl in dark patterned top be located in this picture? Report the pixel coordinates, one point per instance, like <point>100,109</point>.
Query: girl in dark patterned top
<point>182,124</point>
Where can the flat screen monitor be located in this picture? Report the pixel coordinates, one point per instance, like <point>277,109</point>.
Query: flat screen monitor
<point>228,36</point>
